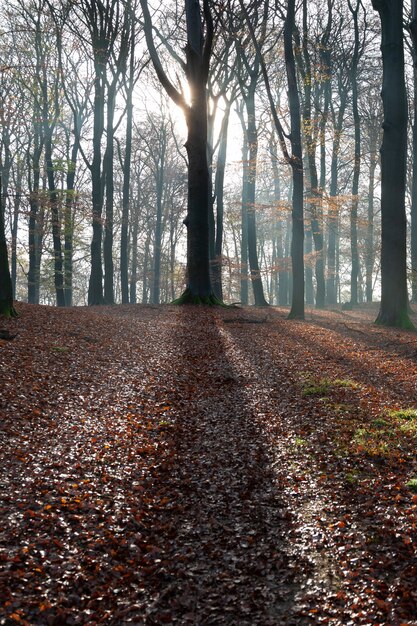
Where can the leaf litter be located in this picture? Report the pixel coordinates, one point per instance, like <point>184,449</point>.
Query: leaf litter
<point>189,465</point>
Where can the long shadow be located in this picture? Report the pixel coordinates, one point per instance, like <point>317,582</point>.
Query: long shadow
<point>378,558</point>
<point>222,523</point>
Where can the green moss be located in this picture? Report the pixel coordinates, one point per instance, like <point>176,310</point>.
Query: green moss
<point>412,484</point>
<point>404,414</point>
<point>400,320</point>
<point>7,309</point>
<point>352,477</point>
<point>188,298</point>
<point>323,386</point>
<point>300,442</point>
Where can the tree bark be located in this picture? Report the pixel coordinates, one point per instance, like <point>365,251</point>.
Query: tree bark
<point>6,289</point>
<point>394,301</point>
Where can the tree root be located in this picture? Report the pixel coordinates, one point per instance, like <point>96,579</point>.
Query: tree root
<point>7,309</point>
<point>397,321</point>
<point>188,298</point>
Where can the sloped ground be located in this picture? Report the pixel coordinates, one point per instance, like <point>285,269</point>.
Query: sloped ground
<point>185,465</point>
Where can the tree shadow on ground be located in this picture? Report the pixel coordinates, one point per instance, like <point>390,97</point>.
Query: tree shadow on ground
<point>225,556</point>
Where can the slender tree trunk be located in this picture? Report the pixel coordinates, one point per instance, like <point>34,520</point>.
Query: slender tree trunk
<point>160,171</point>
<point>244,274</point>
<point>56,223</point>
<point>108,167</point>
<point>219,195</point>
<point>15,225</point>
<point>6,290</point>
<point>394,300</point>
<point>354,275</point>
<point>146,270</point>
<point>69,222</point>
<point>281,274</point>
<point>370,254</point>
<point>333,214</point>
<point>297,245</point>
<point>134,254</point>
<point>252,138</point>
<point>35,238</point>
<point>124,239</point>
<point>95,288</point>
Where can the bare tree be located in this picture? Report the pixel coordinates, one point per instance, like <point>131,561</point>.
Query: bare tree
<point>196,68</point>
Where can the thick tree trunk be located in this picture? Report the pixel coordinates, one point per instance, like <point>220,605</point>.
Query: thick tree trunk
<point>197,220</point>
<point>394,301</point>
<point>414,190</point>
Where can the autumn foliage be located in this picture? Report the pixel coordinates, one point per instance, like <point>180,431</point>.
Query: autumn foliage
<point>191,465</point>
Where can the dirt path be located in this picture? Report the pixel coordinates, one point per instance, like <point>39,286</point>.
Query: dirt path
<point>197,466</point>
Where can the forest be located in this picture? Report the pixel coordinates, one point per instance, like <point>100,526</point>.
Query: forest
<point>208,291</point>
<point>96,152</point>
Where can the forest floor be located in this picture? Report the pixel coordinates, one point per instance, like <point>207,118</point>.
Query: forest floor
<point>205,466</point>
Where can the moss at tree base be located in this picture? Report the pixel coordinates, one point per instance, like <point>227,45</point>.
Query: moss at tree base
<point>400,320</point>
<point>189,298</point>
<point>7,309</point>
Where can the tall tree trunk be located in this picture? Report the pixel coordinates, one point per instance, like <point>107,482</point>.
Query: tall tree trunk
<point>108,167</point>
<point>6,290</point>
<point>310,134</point>
<point>354,275</point>
<point>394,301</point>
<point>414,188</point>
<point>69,222</point>
<point>219,196</point>
<point>244,274</point>
<point>252,139</point>
<point>134,254</point>
<point>35,238</point>
<point>281,274</point>
<point>124,278</point>
<point>297,244</point>
<point>370,254</point>
<point>56,223</point>
<point>95,288</point>
<point>198,52</point>
<point>333,213</point>
<point>160,172</point>
<point>15,225</point>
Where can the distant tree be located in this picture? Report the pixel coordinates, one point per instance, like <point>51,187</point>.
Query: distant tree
<point>6,289</point>
<point>394,301</point>
<point>196,67</point>
<point>295,159</point>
